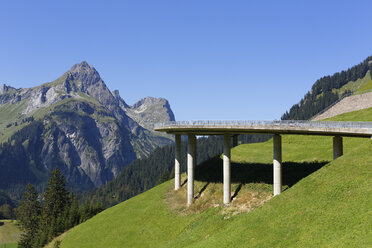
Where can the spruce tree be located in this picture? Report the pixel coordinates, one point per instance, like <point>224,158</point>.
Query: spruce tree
<point>56,201</point>
<point>28,215</point>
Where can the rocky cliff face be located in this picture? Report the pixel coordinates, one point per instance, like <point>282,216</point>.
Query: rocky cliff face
<point>81,127</point>
<point>147,111</point>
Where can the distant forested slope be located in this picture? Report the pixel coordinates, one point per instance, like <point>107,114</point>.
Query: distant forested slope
<point>5,199</point>
<point>323,94</point>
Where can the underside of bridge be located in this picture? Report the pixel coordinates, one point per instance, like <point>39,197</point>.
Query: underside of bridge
<point>191,162</point>
<point>230,132</point>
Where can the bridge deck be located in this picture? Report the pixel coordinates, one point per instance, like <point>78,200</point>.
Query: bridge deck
<point>328,128</point>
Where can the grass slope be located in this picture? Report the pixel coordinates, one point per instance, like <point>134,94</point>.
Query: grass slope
<point>366,83</point>
<point>358,86</point>
<point>329,208</point>
<point>9,233</point>
<point>9,245</point>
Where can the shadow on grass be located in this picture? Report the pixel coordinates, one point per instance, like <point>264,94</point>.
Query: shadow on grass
<point>237,191</point>
<point>212,171</point>
<point>202,190</point>
<point>184,182</point>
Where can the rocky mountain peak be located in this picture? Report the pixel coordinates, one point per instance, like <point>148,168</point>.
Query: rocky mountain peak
<point>147,105</point>
<point>116,94</point>
<point>91,83</point>
<point>150,110</point>
<point>85,73</point>
<point>121,102</point>
<point>3,88</point>
<point>149,100</point>
<point>83,66</point>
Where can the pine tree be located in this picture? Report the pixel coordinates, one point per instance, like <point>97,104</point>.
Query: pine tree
<point>28,215</point>
<point>56,201</point>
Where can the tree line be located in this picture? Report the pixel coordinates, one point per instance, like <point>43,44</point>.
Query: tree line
<point>321,94</point>
<point>43,218</point>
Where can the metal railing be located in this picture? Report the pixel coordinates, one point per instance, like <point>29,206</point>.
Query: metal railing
<point>285,123</point>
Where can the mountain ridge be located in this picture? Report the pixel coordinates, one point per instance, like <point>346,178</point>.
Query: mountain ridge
<point>78,124</point>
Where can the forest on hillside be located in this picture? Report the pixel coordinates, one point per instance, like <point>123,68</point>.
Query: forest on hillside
<point>321,95</point>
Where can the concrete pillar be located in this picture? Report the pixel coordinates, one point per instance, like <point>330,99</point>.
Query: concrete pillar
<point>277,139</point>
<point>191,155</point>
<point>337,147</point>
<point>226,169</point>
<point>235,140</point>
<point>177,163</point>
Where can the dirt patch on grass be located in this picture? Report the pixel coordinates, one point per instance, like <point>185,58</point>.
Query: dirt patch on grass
<point>245,197</point>
<point>246,202</point>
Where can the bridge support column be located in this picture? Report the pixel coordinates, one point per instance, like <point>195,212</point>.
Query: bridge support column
<point>226,169</point>
<point>191,155</point>
<point>277,140</point>
<point>235,140</point>
<point>177,163</point>
<point>337,147</point>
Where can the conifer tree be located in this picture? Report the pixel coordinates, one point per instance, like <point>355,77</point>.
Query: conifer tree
<point>72,213</point>
<point>56,201</point>
<point>28,215</point>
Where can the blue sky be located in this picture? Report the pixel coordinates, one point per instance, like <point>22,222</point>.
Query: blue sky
<point>217,60</point>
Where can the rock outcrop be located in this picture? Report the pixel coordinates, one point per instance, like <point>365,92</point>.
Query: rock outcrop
<point>148,111</point>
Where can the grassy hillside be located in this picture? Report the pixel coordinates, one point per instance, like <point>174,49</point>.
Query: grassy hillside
<point>329,208</point>
<point>366,84</point>
<point>9,234</point>
<point>358,86</point>
<point>9,245</point>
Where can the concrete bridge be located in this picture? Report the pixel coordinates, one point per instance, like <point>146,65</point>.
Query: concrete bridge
<point>231,129</point>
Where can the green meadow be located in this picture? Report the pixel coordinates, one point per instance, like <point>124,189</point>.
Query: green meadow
<point>9,234</point>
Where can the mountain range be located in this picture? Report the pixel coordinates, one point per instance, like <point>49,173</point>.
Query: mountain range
<point>77,124</point>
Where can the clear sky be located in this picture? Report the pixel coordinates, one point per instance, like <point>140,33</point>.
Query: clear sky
<point>217,60</point>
